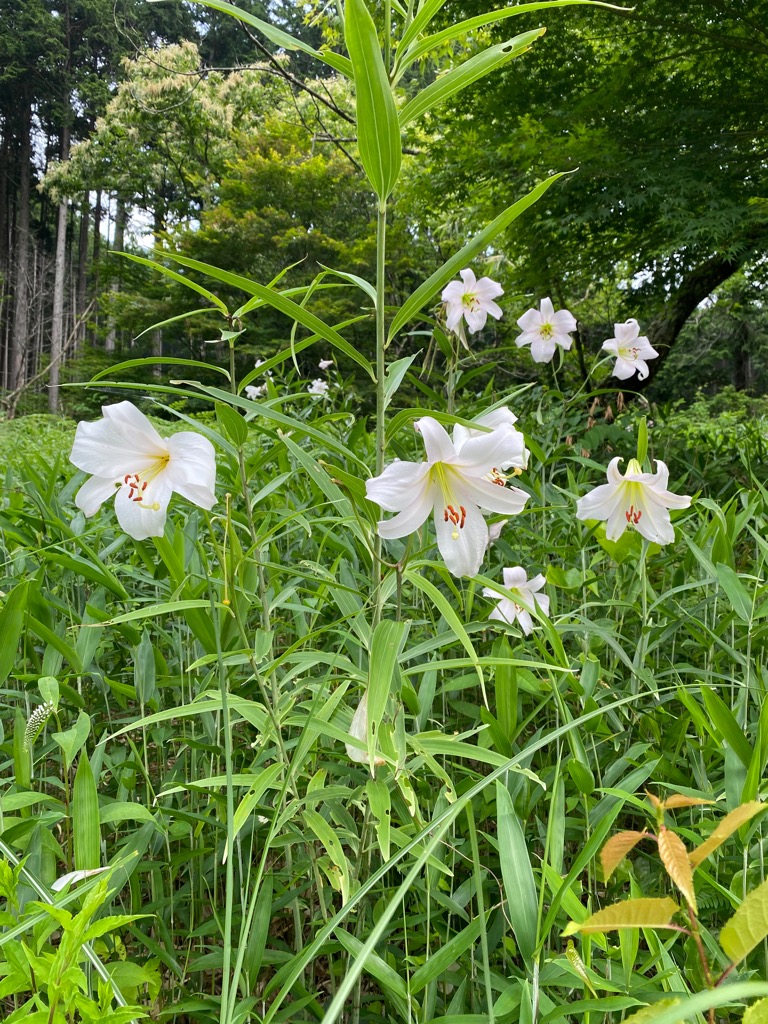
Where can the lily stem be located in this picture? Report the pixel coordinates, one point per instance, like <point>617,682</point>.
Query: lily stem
<point>381,367</point>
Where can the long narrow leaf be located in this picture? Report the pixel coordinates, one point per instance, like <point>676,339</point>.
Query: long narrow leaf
<point>337,61</point>
<point>459,260</point>
<point>465,74</point>
<point>378,131</point>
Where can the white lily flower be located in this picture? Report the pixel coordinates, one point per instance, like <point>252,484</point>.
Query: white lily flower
<point>544,329</point>
<point>524,600</point>
<point>496,418</point>
<point>471,299</point>
<point>456,481</point>
<point>636,500</point>
<point>631,351</point>
<point>318,387</point>
<point>325,363</point>
<point>359,730</point>
<point>254,391</point>
<point>126,455</point>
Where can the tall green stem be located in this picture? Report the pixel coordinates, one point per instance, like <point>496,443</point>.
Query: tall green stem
<point>381,366</point>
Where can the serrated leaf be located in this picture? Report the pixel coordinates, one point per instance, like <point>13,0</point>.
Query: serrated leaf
<point>757,1013</point>
<point>680,800</point>
<point>649,1014</point>
<point>641,913</point>
<point>748,926</point>
<point>738,817</point>
<point>674,857</point>
<point>378,129</point>
<point>617,848</point>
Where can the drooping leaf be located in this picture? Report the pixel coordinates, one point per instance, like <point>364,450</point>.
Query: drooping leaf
<point>378,129</point>
<point>748,926</point>
<point>337,61</point>
<point>723,719</point>
<point>517,874</point>
<point>674,857</point>
<point>640,913</point>
<point>738,817</point>
<point>617,848</point>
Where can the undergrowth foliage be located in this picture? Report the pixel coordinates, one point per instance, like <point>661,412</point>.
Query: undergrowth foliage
<point>276,748</point>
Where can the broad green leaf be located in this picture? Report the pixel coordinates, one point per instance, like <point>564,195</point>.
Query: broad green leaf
<point>275,35</point>
<point>11,624</point>
<point>73,739</point>
<point>378,130</point>
<point>282,304</point>
<point>723,719</point>
<point>391,982</point>
<point>641,913</point>
<point>444,955</point>
<point>517,875</point>
<point>459,260</point>
<point>617,848</point>
<point>85,817</point>
<point>394,375</point>
<point>386,644</point>
<point>267,778</point>
<point>738,817</point>
<point>467,73</point>
<point>748,926</point>
<point>380,803</point>
<point>735,591</point>
<point>449,614</point>
<point>233,423</point>
<point>757,1013</point>
<point>674,857</point>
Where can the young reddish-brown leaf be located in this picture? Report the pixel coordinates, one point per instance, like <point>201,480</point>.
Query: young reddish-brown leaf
<point>738,817</point>
<point>678,800</point>
<point>617,848</point>
<point>674,857</point>
<point>642,913</point>
<point>655,802</point>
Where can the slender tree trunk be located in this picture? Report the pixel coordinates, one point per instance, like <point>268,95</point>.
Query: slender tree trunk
<point>694,287</point>
<point>57,325</point>
<point>157,336</point>
<point>121,218</point>
<point>20,332</point>
<point>82,269</point>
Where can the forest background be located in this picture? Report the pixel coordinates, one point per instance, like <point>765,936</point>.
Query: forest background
<point>177,709</point>
<point>128,124</point>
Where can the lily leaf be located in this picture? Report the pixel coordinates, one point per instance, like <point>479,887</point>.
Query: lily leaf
<point>465,74</point>
<point>459,260</point>
<point>378,131</point>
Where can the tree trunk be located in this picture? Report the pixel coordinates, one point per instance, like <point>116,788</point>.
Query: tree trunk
<point>57,324</point>
<point>82,271</point>
<point>121,217</point>
<point>20,331</point>
<point>695,286</point>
